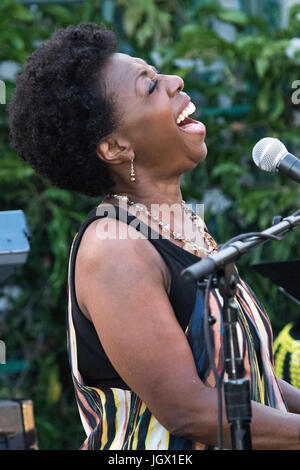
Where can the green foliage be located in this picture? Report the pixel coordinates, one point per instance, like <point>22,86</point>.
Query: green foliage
<point>144,21</point>
<point>242,90</point>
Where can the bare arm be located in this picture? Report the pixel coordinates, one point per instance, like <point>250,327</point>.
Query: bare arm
<point>291,396</point>
<point>123,289</point>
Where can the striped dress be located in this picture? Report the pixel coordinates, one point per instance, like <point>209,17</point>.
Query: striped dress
<point>117,419</point>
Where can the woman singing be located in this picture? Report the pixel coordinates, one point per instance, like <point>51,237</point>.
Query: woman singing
<point>103,123</point>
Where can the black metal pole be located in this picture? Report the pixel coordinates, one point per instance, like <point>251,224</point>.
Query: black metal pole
<point>236,385</point>
<point>236,249</point>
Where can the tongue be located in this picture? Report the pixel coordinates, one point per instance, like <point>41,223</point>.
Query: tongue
<point>193,127</point>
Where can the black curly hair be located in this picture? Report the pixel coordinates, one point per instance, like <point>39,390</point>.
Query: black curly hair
<point>60,110</point>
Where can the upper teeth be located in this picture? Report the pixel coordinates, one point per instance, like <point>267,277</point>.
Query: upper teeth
<point>191,108</point>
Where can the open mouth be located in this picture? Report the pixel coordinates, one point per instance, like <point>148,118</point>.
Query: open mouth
<point>186,124</point>
<point>191,126</point>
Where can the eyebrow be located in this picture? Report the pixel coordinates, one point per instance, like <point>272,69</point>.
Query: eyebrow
<point>143,73</point>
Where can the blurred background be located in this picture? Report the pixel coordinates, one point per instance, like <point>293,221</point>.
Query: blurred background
<point>239,59</point>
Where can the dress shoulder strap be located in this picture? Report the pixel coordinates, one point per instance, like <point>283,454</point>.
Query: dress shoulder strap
<point>118,213</point>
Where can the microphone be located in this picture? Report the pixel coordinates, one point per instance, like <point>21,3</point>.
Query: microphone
<point>269,154</point>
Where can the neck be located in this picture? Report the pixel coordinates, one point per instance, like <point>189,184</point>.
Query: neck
<point>156,193</point>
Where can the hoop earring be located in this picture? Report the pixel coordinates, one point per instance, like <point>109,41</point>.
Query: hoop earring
<point>132,172</point>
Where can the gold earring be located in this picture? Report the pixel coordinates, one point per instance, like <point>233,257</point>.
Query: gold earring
<point>132,172</point>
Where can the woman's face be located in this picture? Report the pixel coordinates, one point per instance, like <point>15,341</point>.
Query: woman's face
<point>149,105</point>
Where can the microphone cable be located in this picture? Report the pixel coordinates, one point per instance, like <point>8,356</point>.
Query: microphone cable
<point>208,319</point>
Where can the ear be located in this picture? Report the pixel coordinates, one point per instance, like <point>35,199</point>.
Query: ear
<point>114,149</point>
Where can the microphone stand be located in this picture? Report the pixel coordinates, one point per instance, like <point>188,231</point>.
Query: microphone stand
<point>236,385</point>
<point>236,247</point>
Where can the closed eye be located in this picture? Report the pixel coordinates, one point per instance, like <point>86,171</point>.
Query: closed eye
<point>153,85</point>
<point>145,73</point>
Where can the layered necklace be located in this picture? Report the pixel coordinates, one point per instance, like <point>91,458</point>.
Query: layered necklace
<point>189,245</point>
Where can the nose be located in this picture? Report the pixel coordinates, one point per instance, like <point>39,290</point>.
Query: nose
<point>174,84</point>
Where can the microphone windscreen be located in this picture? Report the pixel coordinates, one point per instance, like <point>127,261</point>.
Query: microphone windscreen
<point>267,152</point>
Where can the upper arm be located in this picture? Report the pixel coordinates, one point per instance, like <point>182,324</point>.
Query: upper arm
<point>127,301</point>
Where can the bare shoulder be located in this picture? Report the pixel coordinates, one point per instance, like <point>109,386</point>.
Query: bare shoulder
<point>115,240</point>
<point>116,250</point>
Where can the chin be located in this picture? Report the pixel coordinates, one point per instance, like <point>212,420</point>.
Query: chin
<point>200,155</point>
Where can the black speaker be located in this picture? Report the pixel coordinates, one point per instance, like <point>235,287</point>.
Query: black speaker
<point>17,429</point>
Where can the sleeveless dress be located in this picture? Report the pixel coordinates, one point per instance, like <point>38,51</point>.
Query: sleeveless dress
<point>113,416</point>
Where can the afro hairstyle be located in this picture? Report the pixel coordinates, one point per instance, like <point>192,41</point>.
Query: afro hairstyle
<point>59,111</point>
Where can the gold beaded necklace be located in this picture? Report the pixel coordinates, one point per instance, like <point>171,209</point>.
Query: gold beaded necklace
<point>189,245</point>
